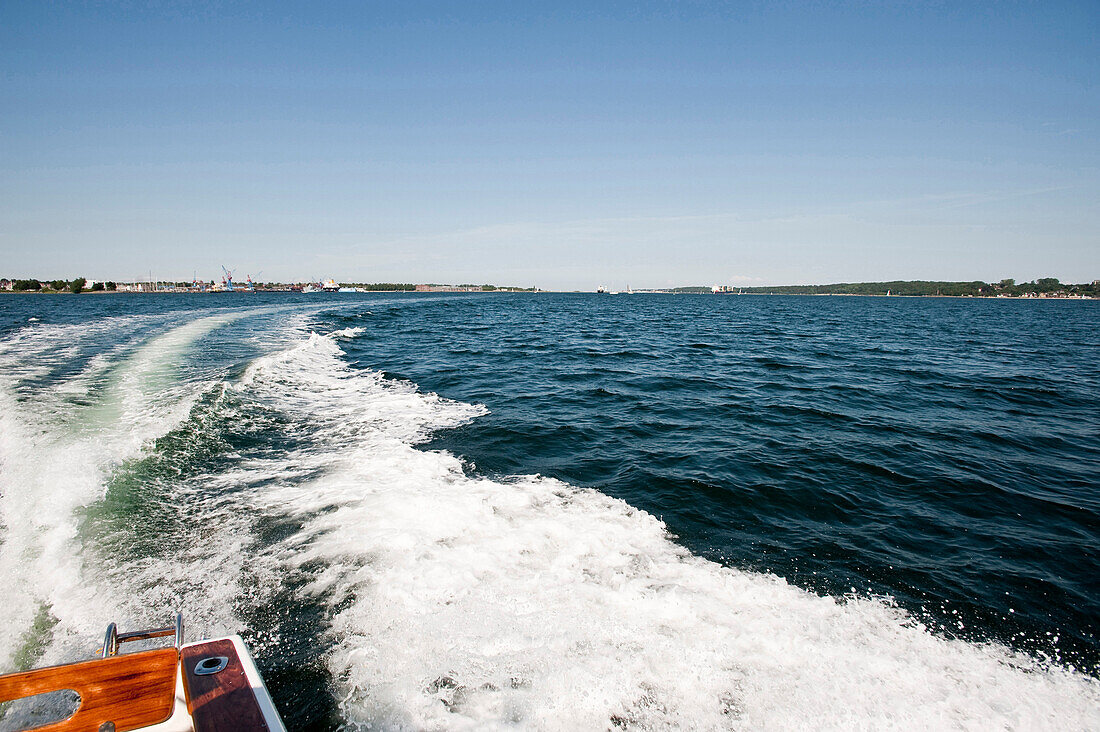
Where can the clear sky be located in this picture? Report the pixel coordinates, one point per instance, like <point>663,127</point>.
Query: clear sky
<point>558,144</point>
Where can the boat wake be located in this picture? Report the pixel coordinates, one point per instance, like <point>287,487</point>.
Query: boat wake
<point>449,600</point>
<point>62,438</point>
<point>457,601</point>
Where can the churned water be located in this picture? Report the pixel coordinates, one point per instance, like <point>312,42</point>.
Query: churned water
<point>569,511</point>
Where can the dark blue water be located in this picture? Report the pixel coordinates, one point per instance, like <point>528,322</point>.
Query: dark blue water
<point>944,452</point>
<point>942,455</point>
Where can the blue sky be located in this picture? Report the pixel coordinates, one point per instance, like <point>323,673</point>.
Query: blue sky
<point>562,145</point>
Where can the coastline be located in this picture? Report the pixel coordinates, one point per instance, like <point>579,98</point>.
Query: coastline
<point>555,292</point>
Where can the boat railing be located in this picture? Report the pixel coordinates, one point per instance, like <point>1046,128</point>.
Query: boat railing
<point>114,639</point>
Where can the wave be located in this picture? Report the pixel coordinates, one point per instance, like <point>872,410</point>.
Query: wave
<point>447,599</point>
<point>456,601</point>
<point>57,453</point>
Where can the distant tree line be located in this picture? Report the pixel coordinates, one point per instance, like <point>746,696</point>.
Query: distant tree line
<point>898,287</point>
<point>75,286</point>
<point>1008,287</point>
<point>381,286</point>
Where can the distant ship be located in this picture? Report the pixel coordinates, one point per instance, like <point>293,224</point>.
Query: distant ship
<point>330,285</point>
<point>601,290</point>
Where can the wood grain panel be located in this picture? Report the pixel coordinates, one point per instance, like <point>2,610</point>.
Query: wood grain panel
<point>132,691</point>
<point>221,701</point>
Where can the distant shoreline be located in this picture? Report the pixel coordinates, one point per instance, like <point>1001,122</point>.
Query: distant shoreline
<point>1046,288</point>
<point>1042,296</point>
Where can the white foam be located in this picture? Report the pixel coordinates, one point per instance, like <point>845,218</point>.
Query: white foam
<point>460,602</point>
<point>55,455</point>
<point>456,601</point>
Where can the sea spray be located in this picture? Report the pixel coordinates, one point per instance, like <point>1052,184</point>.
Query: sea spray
<point>286,491</point>
<point>58,448</point>
<point>464,602</point>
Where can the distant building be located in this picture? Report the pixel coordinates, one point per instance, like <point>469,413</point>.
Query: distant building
<point>135,287</point>
<point>6,284</point>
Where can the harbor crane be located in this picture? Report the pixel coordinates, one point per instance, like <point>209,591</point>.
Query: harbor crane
<point>227,279</point>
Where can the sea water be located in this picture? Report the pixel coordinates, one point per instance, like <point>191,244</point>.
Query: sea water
<point>552,511</point>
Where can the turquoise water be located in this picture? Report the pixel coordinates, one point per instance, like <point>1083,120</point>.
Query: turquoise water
<point>570,511</point>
